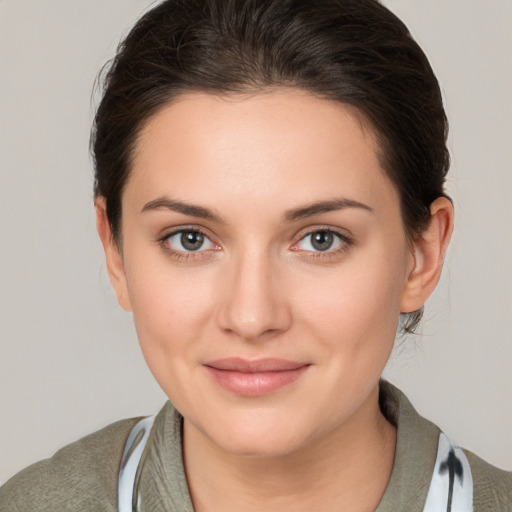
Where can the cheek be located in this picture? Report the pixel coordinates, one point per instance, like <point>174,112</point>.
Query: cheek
<point>171,312</point>
<point>358,304</point>
<point>170,306</point>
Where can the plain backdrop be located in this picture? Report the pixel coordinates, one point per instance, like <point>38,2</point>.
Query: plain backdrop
<point>69,358</point>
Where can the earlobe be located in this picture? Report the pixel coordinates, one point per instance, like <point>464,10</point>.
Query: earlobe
<point>428,251</point>
<point>113,256</point>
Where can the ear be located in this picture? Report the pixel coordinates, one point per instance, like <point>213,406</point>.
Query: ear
<point>113,254</point>
<point>428,250</point>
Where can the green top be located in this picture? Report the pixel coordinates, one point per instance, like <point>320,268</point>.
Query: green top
<point>83,476</point>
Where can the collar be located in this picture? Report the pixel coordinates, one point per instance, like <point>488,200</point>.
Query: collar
<point>163,485</point>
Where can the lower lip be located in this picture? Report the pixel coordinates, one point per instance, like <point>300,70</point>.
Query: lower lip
<point>255,384</point>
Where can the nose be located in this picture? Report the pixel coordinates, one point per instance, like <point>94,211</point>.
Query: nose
<point>254,303</point>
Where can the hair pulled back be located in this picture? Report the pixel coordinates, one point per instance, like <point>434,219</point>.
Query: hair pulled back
<point>351,51</point>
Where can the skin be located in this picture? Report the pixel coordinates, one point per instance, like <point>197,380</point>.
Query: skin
<point>258,288</point>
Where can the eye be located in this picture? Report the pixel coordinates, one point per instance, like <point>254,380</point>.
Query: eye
<point>189,240</point>
<point>322,240</point>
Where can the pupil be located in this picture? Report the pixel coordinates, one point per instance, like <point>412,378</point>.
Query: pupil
<point>322,240</point>
<point>192,240</point>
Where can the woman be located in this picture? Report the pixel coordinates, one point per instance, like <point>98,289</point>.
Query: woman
<point>269,194</point>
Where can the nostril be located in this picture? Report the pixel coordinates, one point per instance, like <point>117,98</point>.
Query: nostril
<point>254,323</point>
<point>252,305</point>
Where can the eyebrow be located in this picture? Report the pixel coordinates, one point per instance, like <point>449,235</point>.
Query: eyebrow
<point>323,207</point>
<point>181,207</point>
<point>290,216</point>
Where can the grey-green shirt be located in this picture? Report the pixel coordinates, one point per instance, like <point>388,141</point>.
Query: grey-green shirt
<point>83,476</point>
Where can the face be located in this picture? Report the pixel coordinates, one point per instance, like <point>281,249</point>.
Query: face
<point>265,261</point>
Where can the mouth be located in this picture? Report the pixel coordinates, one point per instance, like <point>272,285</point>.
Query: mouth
<point>254,378</point>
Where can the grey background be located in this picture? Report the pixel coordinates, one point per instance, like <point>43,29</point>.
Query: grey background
<point>69,359</point>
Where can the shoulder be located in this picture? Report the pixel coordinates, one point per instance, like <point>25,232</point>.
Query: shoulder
<point>415,459</point>
<point>80,476</point>
<point>492,487</point>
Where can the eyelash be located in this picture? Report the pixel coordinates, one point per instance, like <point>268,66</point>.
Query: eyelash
<point>345,243</point>
<point>185,255</point>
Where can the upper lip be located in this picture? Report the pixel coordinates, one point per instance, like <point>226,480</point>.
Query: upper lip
<point>238,364</point>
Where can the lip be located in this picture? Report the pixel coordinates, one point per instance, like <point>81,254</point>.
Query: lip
<point>257,377</point>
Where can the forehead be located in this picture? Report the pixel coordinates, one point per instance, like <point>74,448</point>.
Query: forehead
<point>275,145</point>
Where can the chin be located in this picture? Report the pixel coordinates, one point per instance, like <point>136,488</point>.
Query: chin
<point>264,434</point>
<point>258,446</point>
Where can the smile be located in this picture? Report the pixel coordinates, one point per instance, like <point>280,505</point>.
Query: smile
<point>254,378</point>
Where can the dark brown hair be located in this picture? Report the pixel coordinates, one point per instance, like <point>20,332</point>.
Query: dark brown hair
<point>352,51</point>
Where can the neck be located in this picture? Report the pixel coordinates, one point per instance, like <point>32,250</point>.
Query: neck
<point>346,469</point>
